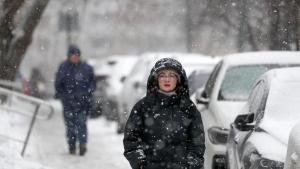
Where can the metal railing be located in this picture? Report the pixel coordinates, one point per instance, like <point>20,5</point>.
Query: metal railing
<point>6,103</point>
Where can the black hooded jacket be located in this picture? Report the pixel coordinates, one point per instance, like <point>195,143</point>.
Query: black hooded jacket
<point>165,131</point>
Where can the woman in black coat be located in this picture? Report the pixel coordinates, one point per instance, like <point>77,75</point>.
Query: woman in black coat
<point>164,129</point>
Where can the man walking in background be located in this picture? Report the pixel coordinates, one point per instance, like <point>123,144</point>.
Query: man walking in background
<point>74,84</point>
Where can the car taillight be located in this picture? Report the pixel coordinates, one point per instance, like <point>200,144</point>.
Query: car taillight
<point>26,87</point>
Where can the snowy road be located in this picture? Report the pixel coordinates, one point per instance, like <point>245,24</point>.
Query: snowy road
<point>48,146</point>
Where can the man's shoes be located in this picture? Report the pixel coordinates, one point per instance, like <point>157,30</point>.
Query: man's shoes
<point>72,151</point>
<point>82,150</point>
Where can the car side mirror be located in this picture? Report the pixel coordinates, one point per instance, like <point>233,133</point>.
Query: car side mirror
<point>201,96</point>
<point>244,122</point>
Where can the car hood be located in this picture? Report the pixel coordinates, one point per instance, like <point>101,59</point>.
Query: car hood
<point>226,112</point>
<point>277,134</point>
<point>279,131</point>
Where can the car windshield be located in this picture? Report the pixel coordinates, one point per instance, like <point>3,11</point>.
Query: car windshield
<point>239,81</point>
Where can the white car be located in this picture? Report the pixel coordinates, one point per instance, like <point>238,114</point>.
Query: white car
<point>135,85</point>
<point>110,74</point>
<point>197,80</point>
<point>115,82</point>
<point>258,137</point>
<point>102,68</point>
<point>226,92</point>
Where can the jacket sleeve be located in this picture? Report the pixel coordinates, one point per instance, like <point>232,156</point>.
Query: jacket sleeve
<point>59,89</point>
<point>196,141</point>
<point>92,77</point>
<point>133,138</point>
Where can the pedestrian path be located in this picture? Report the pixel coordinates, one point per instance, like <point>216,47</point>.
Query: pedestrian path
<point>48,146</point>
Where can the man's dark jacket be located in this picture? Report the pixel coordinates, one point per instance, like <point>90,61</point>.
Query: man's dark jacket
<point>75,84</point>
<point>165,131</point>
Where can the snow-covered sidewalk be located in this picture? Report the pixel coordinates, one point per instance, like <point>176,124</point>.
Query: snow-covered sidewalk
<point>48,147</point>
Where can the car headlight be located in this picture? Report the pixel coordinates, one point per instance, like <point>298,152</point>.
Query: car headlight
<point>218,135</point>
<point>255,161</point>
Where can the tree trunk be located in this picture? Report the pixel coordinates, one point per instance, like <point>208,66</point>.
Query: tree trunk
<point>18,43</point>
<point>297,6</point>
<point>6,23</point>
<point>6,33</point>
<point>283,29</point>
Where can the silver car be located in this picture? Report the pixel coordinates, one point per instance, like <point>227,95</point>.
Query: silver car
<point>258,137</point>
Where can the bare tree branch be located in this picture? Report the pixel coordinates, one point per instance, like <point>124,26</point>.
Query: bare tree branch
<point>251,37</point>
<point>297,19</point>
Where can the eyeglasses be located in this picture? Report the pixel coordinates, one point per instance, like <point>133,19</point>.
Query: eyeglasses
<point>164,77</point>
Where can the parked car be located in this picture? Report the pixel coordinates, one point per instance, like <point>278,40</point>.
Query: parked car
<point>226,92</point>
<point>115,81</point>
<point>135,85</point>
<point>198,78</point>
<point>110,74</point>
<point>20,84</point>
<point>292,160</point>
<point>37,82</point>
<point>103,70</point>
<point>259,135</point>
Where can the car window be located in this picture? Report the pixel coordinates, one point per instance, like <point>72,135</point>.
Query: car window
<point>239,80</point>
<point>257,101</point>
<point>260,111</point>
<point>257,96</point>
<point>197,80</point>
<point>252,97</point>
<point>212,79</point>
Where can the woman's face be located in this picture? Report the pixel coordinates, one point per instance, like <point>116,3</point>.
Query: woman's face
<point>167,80</point>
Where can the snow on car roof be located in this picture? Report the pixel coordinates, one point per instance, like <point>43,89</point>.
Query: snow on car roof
<point>124,64</point>
<point>262,57</point>
<point>282,107</point>
<point>290,74</point>
<point>104,66</point>
<point>182,57</point>
<point>189,61</point>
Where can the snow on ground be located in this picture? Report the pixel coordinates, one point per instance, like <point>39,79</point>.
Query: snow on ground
<point>47,146</point>
<point>10,157</point>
